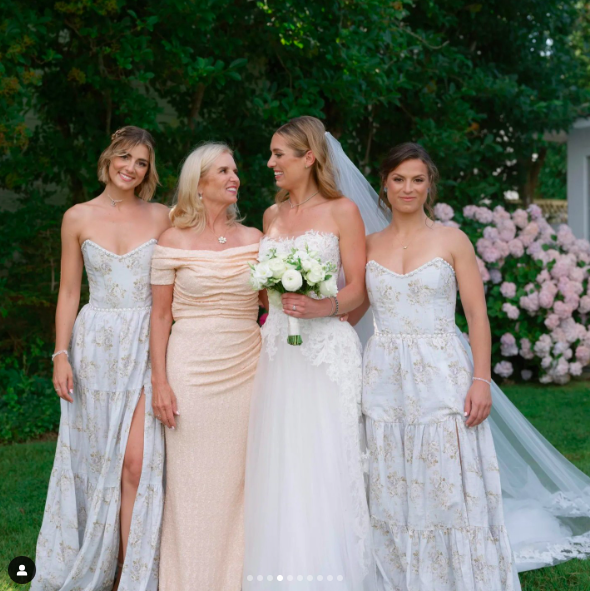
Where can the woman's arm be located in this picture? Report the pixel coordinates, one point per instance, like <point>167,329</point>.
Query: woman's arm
<point>163,398</point>
<point>68,300</point>
<point>478,403</point>
<point>353,255</point>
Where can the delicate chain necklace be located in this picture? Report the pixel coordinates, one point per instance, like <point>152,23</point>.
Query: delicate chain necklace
<point>408,244</point>
<point>298,204</point>
<point>113,201</point>
<point>220,239</point>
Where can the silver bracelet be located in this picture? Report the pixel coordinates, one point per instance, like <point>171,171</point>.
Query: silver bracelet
<point>488,382</point>
<point>332,307</point>
<point>335,312</point>
<point>59,353</point>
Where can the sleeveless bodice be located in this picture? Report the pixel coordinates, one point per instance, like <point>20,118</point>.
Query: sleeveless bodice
<point>421,302</point>
<point>118,281</point>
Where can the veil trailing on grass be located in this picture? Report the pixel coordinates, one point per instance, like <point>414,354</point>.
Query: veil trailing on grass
<point>546,498</point>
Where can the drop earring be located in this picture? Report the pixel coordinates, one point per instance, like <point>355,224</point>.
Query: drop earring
<point>200,196</point>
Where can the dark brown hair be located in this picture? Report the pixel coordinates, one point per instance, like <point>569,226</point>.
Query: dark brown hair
<point>399,154</point>
<point>304,134</point>
<point>122,140</point>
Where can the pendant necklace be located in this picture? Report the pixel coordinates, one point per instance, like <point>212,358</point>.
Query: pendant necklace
<point>113,201</point>
<point>220,239</point>
<point>298,204</point>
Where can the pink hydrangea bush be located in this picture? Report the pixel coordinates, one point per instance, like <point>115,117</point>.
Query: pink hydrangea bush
<point>537,290</point>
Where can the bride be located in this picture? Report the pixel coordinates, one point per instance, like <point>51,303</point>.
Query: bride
<point>306,515</point>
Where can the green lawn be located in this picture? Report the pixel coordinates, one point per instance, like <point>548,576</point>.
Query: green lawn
<point>561,414</point>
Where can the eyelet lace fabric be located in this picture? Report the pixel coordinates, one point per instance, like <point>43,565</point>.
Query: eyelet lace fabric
<point>330,349</point>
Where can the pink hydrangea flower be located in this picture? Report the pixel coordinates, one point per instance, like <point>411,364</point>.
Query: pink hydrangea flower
<point>491,233</point>
<point>526,374</point>
<point>575,368</point>
<point>443,212</point>
<point>495,276</point>
<point>508,290</point>
<point>469,211</point>
<point>552,321</point>
<point>535,212</point>
<point>516,247</point>
<point>511,311</point>
<point>565,236</point>
<point>508,345</point>
<point>504,369</point>
<point>530,302</point>
<point>500,214</point>
<point>546,362</point>
<point>520,218</point>
<point>484,215</point>
<point>585,304</point>
<point>507,230</point>
<point>562,309</point>
<point>543,346</point>
<point>543,276</point>
<point>526,351</point>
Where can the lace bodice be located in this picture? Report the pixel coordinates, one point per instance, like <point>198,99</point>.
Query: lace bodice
<point>118,281</point>
<point>416,303</point>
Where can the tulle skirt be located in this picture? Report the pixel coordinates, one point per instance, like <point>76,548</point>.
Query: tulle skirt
<point>306,517</point>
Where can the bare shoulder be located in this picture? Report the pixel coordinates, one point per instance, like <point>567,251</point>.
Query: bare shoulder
<point>172,238</point>
<point>452,236</point>
<point>374,239</point>
<point>269,215</point>
<point>344,207</point>
<point>159,209</point>
<point>250,234</point>
<point>78,214</point>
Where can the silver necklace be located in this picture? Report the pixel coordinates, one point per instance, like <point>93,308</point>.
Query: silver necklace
<point>220,239</point>
<point>298,204</point>
<point>113,201</point>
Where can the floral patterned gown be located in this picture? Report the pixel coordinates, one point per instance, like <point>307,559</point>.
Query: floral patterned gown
<point>79,541</point>
<point>434,486</point>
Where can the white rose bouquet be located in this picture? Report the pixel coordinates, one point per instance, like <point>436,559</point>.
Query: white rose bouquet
<point>300,271</point>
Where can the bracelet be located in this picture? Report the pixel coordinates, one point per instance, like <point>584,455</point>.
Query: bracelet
<point>335,312</point>
<point>59,353</point>
<point>488,382</point>
<point>332,308</point>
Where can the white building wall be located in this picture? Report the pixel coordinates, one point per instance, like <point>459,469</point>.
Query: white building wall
<point>578,178</point>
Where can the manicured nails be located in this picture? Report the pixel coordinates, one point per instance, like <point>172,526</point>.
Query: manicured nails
<point>71,391</point>
<point>177,413</point>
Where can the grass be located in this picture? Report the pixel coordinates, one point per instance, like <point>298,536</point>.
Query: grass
<point>562,414</point>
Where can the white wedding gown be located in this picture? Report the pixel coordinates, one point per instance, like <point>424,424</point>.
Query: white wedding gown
<point>306,516</point>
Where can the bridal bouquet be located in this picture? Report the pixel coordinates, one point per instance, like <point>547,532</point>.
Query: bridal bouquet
<point>300,271</point>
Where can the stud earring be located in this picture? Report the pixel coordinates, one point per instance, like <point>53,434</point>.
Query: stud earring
<point>201,196</point>
<point>385,189</point>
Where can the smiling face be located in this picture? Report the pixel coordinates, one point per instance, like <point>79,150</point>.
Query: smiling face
<point>407,186</point>
<point>128,168</point>
<point>221,182</point>
<point>290,168</point>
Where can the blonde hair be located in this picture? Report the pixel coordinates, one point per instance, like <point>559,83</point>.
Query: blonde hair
<point>189,211</point>
<point>121,141</point>
<point>304,134</point>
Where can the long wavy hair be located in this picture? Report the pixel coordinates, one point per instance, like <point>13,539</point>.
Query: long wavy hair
<point>399,154</point>
<point>189,211</point>
<point>122,141</point>
<point>304,134</point>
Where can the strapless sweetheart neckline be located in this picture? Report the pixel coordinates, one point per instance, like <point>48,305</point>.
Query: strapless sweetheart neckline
<point>133,251</point>
<point>426,264</point>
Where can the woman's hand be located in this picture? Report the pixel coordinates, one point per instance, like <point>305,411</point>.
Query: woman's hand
<point>63,378</point>
<point>164,404</point>
<point>302,306</point>
<point>478,403</point>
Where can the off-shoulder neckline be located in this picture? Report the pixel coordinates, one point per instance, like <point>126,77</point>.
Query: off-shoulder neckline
<point>207,251</point>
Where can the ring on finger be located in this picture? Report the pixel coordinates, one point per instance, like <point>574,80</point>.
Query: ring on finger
<point>294,307</point>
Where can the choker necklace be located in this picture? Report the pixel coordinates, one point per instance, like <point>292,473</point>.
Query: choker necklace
<point>298,204</point>
<point>113,201</point>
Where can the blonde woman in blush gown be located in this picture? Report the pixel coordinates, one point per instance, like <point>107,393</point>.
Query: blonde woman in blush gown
<point>203,369</point>
<point>105,498</point>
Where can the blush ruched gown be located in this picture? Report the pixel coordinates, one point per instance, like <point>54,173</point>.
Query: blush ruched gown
<point>211,361</point>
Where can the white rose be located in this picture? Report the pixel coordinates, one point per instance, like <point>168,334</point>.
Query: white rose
<point>306,264</point>
<point>277,267</point>
<point>292,280</point>
<point>301,255</point>
<point>274,298</point>
<point>262,270</point>
<point>315,274</point>
<point>329,288</point>
<point>255,283</point>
